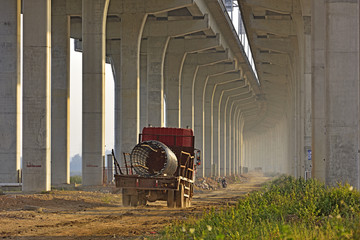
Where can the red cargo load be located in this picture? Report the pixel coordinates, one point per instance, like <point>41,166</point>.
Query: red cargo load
<point>169,136</point>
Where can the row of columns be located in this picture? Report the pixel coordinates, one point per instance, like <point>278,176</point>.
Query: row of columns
<point>204,87</point>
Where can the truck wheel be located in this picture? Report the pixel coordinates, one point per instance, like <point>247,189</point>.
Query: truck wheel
<point>134,199</point>
<point>187,202</point>
<point>171,199</point>
<point>126,200</point>
<point>180,203</point>
<point>142,198</point>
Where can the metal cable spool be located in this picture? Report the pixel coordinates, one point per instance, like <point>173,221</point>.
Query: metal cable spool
<point>153,158</point>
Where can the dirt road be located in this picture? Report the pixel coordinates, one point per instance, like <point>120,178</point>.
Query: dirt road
<point>99,215</point>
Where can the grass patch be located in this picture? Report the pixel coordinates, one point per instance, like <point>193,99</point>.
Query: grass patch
<point>76,179</point>
<point>287,208</point>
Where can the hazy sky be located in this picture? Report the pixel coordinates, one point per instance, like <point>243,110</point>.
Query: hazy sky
<point>76,103</point>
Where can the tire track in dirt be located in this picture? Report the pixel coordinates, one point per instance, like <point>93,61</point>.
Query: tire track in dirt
<point>93,215</point>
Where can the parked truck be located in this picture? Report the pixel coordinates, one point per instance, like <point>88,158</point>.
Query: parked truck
<point>160,167</point>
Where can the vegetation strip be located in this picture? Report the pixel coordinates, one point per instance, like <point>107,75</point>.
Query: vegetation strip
<point>287,208</point>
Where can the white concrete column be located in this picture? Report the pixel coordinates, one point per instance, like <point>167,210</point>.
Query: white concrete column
<point>177,52</point>
<point>208,127</point>
<point>155,83</point>
<point>342,71</point>
<point>198,98</point>
<point>37,96</point>
<point>94,14</point>
<point>60,93</point>
<point>191,66</point>
<point>132,26</point>
<point>235,89</point>
<point>10,90</point>
<point>144,113</point>
<point>113,49</point>
<point>335,103</point>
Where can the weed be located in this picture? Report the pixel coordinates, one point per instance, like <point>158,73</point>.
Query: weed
<point>287,208</point>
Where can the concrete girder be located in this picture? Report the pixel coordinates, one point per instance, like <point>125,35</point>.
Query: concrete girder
<point>10,91</point>
<point>277,27</point>
<point>113,28</point>
<point>176,54</point>
<point>281,6</point>
<point>282,45</point>
<point>175,28</point>
<point>147,6</point>
<point>273,58</point>
<point>273,69</point>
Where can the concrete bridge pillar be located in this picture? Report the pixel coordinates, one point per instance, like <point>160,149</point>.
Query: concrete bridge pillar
<point>10,90</point>
<point>113,49</point>
<point>191,66</point>
<point>158,34</point>
<point>156,47</point>
<point>94,14</point>
<point>60,93</point>
<point>336,114</point>
<point>208,126</point>
<point>177,52</point>
<point>198,96</point>
<point>221,119</point>
<point>37,96</point>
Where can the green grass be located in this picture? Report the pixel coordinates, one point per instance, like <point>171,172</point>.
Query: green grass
<point>286,209</point>
<point>76,179</point>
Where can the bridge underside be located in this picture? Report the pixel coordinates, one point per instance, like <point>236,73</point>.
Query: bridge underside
<point>182,60</point>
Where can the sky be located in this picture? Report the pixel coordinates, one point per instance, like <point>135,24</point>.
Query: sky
<point>76,103</point>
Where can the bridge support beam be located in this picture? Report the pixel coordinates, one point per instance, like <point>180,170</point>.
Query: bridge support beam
<point>37,96</point>
<point>94,14</point>
<point>336,106</point>
<point>60,93</point>
<point>200,82</point>
<point>10,90</point>
<point>208,127</point>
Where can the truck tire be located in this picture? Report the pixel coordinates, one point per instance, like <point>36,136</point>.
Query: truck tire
<point>126,200</point>
<point>134,200</point>
<point>187,202</point>
<point>171,198</point>
<point>180,201</point>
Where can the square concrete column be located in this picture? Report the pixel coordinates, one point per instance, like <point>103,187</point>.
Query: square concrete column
<point>37,96</point>
<point>342,162</point>
<point>94,14</point>
<point>10,90</point>
<point>60,93</point>
<point>132,26</point>
<point>156,47</point>
<point>336,91</point>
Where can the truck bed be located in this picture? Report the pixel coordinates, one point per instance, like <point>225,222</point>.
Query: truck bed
<point>149,183</point>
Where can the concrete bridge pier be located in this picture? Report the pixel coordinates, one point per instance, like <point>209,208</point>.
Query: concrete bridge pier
<point>37,96</point>
<point>336,66</point>
<point>60,93</point>
<point>10,90</point>
<point>199,84</point>
<point>94,14</point>
<point>208,120</point>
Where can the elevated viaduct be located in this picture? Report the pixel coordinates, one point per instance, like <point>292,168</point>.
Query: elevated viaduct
<point>270,84</point>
